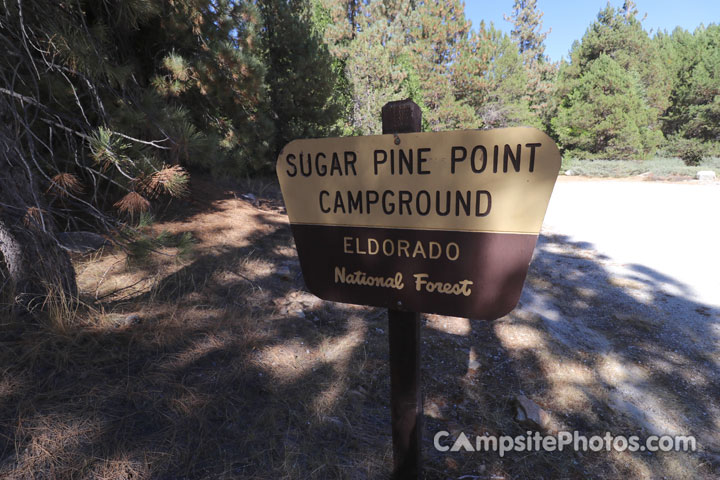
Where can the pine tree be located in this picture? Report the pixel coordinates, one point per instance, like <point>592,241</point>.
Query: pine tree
<point>338,20</point>
<point>302,91</point>
<point>368,40</point>
<point>527,30</point>
<point>437,32</point>
<point>204,59</point>
<point>394,49</point>
<point>373,64</point>
<point>616,35</point>
<point>694,110</point>
<point>530,40</point>
<point>103,104</point>
<point>619,33</point>
<point>606,114</point>
<point>489,76</point>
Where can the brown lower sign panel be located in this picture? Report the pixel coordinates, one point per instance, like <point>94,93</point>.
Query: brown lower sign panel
<point>472,274</point>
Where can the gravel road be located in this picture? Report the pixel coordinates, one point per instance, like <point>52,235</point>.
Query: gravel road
<point>673,229</point>
<point>626,276</point>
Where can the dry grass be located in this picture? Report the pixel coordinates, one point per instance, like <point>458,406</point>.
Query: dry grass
<point>184,367</point>
<point>212,366</point>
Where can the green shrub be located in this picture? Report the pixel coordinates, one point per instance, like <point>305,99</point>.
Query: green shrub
<point>691,151</point>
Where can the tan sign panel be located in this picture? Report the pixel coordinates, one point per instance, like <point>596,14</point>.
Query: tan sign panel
<point>478,181</point>
<point>435,222</point>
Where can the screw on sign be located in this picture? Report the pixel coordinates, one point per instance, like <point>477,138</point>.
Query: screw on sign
<point>435,222</point>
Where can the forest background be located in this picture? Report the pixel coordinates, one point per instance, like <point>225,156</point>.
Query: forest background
<point>106,107</point>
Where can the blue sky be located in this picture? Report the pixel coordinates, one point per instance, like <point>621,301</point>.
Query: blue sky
<point>570,19</point>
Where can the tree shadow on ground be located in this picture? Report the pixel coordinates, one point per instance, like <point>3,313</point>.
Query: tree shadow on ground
<point>225,371</point>
<point>232,370</point>
<point>601,351</point>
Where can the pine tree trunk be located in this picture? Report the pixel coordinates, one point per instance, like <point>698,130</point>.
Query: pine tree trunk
<point>33,267</point>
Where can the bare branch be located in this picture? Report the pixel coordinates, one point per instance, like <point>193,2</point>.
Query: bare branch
<point>22,98</point>
<point>153,143</point>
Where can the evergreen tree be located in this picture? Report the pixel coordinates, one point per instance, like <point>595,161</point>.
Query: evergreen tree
<point>606,114</point>
<point>694,110</point>
<point>437,33</point>
<point>103,103</point>
<point>204,60</point>
<point>373,65</point>
<point>530,40</point>
<point>324,23</point>
<point>338,20</point>
<point>489,76</point>
<point>527,30</point>
<point>619,33</point>
<point>368,40</point>
<point>302,90</point>
<point>626,58</point>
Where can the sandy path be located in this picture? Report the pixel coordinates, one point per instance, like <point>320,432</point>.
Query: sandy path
<point>624,295</point>
<point>673,229</point>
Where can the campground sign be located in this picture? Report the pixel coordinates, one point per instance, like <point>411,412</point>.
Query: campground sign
<point>440,222</point>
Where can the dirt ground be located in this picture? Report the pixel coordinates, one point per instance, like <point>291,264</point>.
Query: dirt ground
<point>218,364</point>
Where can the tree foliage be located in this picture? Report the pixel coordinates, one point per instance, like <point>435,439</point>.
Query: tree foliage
<point>436,35</point>
<point>606,113</point>
<point>490,77</point>
<point>613,90</point>
<point>107,107</point>
<point>527,29</point>
<point>528,35</point>
<point>303,97</point>
<point>694,110</point>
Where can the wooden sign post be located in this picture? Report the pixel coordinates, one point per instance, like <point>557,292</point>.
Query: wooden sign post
<point>406,402</point>
<point>434,222</point>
